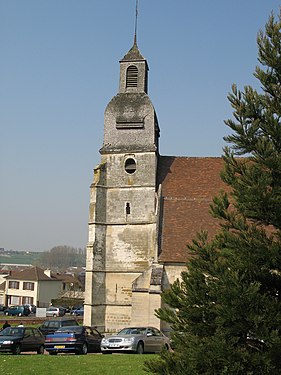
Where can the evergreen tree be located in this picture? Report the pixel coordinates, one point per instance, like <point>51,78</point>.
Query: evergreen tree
<point>226,309</point>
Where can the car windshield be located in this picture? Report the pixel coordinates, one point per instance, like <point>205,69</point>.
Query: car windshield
<point>12,331</point>
<point>53,324</point>
<point>132,331</point>
<point>75,329</point>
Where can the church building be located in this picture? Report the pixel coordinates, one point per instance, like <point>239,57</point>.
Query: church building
<point>144,209</point>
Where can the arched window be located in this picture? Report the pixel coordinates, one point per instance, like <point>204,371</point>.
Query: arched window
<point>132,76</point>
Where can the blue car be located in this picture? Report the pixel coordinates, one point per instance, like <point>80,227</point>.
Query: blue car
<point>79,311</point>
<point>19,310</point>
<point>74,339</point>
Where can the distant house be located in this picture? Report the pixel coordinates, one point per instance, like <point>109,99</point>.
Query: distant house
<point>2,292</point>
<point>3,275</point>
<point>31,286</point>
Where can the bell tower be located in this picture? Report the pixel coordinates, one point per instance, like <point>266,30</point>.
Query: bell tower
<point>122,241</point>
<point>130,120</point>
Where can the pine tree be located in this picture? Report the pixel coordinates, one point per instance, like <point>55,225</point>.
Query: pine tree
<point>226,309</point>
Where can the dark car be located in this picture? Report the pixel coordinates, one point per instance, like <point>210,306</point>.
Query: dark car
<point>79,311</point>
<point>52,325</point>
<point>18,310</point>
<point>21,339</point>
<point>74,339</point>
<point>136,340</point>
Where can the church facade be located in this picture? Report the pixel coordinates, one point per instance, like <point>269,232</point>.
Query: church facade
<point>144,209</point>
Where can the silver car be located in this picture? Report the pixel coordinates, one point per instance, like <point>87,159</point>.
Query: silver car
<point>55,311</point>
<point>135,340</point>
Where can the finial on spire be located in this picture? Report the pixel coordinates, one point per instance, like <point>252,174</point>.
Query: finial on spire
<point>136,23</point>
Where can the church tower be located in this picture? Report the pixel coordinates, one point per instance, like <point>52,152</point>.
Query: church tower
<point>122,241</point>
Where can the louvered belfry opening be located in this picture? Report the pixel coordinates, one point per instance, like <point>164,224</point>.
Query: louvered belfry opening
<point>132,76</point>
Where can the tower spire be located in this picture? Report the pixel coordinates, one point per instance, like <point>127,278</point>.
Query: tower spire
<point>136,22</point>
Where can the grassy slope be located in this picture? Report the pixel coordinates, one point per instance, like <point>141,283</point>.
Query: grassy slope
<point>20,258</point>
<point>27,364</point>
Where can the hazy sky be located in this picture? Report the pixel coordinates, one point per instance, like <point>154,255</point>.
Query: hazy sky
<point>59,67</point>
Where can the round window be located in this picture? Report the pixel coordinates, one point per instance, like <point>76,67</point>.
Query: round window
<point>130,166</point>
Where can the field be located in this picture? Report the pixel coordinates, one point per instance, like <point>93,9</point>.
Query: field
<point>19,257</point>
<point>97,364</point>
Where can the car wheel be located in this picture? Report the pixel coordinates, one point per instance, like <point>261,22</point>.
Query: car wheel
<point>19,314</point>
<point>83,350</point>
<point>16,350</point>
<point>140,348</point>
<point>54,315</point>
<point>166,347</point>
<point>6,313</point>
<point>40,350</point>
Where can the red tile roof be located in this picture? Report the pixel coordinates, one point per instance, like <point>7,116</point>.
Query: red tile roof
<point>30,274</point>
<point>188,188</point>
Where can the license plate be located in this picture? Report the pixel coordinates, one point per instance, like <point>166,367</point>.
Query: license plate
<point>114,345</point>
<point>59,346</point>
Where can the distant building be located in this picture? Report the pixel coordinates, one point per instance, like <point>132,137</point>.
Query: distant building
<point>14,266</point>
<point>31,286</point>
<point>144,208</point>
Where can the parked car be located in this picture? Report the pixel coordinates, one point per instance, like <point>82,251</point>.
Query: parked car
<point>18,310</point>
<point>74,339</point>
<point>66,309</point>
<point>2,307</point>
<point>21,339</point>
<point>55,311</point>
<point>31,307</point>
<point>52,325</point>
<point>136,340</point>
<point>79,311</point>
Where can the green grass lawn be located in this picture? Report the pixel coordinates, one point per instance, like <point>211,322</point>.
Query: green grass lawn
<point>117,364</point>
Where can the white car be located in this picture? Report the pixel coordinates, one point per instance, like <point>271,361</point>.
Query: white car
<point>136,340</point>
